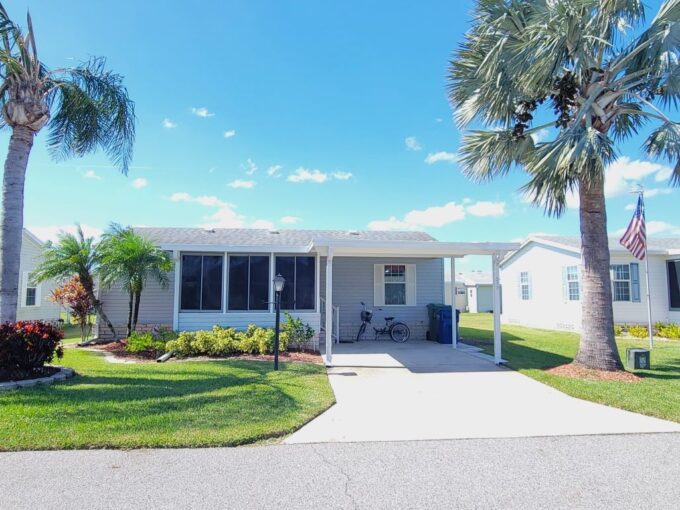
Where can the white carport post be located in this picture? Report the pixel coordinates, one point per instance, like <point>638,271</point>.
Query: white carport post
<point>329,307</point>
<point>454,329</point>
<point>497,355</point>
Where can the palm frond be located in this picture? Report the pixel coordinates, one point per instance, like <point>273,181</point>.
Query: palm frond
<point>664,143</point>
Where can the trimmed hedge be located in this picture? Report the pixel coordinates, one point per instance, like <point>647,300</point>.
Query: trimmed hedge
<point>220,342</point>
<point>25,347</point>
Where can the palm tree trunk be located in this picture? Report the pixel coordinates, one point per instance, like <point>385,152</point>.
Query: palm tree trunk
<point>88,285</point>
<point>138,297</point>
<point>20,144</point>
<point>129,321</point>
<point>597,348</point>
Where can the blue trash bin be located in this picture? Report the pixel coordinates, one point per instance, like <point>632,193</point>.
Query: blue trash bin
<point>444,317</point>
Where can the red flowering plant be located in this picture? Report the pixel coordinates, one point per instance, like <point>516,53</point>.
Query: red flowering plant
<point>25,347</point>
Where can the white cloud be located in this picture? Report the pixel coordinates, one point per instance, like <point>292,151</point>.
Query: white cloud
<point>438,120</point>
<point>412,144</point>
<point>436,157</point>
<point>224,216</point>
<point>240,183</point>
<point>652,192</point>
<point>304,175</point>
<point>485,208</point>
<point>392,223</point>
<point>249,166</point>
<point>655,227</point>
<point>140,182</point>
<point>229,133</point>
<point>290,220</point>
<point>274,171</point>
<point>630,207</point>
<point>342,176</point>
<point>202,112</point>
<point>540,135</point>
<point>51,232</point>
<point>91,174</point>
<point>168,124</point>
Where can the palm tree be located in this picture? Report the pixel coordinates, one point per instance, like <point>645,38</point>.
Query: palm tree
<point>74,255</point>
<point>596,75</point>
<point>130,259</point>
<point>84,108</point>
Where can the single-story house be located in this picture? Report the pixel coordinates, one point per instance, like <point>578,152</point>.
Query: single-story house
<point>34,298</point>
<point>461,295</point>
<point>224,277</point>
<point>474,292</point>
<point>542,288</point>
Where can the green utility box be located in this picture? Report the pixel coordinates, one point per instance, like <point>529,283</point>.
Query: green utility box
<point>637,358</point>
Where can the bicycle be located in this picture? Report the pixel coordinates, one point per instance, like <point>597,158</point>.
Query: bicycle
<point>397,331</point>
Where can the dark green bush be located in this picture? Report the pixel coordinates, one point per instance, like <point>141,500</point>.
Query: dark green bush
<point>221,342</point>
<point>145,343</point>
<point>300,334</point>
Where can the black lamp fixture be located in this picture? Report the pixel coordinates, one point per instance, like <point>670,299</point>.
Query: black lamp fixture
<point>279,283</point>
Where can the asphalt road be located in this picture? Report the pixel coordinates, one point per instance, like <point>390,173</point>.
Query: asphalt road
<point>621,471</point>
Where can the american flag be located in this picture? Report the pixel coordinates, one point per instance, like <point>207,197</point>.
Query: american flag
<point>635,238</point>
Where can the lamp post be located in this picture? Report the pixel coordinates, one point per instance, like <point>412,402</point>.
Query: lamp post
<point>279,282</point>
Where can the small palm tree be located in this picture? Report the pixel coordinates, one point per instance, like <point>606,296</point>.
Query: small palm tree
<point>130,259</point>
<point>84,108</point>
<point>603,76</point>
<point>74,255</point>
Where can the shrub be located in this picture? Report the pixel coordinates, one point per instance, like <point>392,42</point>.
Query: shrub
<point>299,333</point>
<point>668,330</point>
<point>220,342</point>
<point>25,347</point>
<point>618,329</point>
<point>638,331</point>
<point>146,343</point>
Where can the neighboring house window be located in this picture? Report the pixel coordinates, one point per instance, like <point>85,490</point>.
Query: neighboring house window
<point>202,282</point>
<point>572,285</point>
<point>524,286</point>
<point>249,282</point>
<point>673,284</point>
<point>394,284</point>
<point>30,291</point>
<point>460,292</point>
<point>300,290</point>
<point>625,282</point>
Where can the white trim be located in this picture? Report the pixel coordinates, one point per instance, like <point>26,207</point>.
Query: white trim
<point>329,308</point>
<point>272,274</point>
<point>317,282</point>
<point>177,257</point>
<point>454,329</point>
<point>497,354</point>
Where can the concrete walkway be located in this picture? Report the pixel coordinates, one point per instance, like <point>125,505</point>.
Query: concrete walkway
<point>426,391</point>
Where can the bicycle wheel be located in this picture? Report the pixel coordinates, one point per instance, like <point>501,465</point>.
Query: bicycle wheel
<point>362,328</point>
<point>399,332</point>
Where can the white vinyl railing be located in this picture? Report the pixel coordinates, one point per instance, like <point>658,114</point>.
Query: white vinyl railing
<point>335,335</point>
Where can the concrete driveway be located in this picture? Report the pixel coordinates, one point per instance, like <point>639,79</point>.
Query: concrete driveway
<point>423,390</point>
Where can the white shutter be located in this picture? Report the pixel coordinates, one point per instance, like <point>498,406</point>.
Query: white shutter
<point>565,284</point>
<point>411,285</point>
<point>24,285</point>
<point>378,284</point>
<point>38,293</point>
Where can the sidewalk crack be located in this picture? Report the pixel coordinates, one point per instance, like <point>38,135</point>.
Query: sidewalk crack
<point>344,474</point>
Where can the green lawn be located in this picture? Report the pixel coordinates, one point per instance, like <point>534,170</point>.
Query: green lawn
<point>530,351</point>
<point>212,403</point>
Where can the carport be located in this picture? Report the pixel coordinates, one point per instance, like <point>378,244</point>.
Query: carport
<point>331,248</point>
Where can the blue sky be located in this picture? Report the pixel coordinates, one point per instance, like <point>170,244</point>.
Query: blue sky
<point>301,114</point>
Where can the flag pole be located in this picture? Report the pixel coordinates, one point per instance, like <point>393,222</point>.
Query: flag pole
<point>649,298</point>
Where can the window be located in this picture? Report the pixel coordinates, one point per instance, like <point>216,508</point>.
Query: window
<point>620,282</point>
<point>673,284</point>
<point>460,291</point>
<point>249,282</point>
<point>201,282</point>
<point>395,285</point>
<point>572,284</point>
<point>524,286</point>
<point>30,295</point>
<point>300,274</point>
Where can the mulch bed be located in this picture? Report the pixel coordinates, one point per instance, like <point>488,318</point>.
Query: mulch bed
<point>45,371</point>
<point>578,372</point>
<point>118,350</point>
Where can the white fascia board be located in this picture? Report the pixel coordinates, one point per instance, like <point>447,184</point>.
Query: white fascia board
<point>234,249</point>
<point>30,235</point>
<point>412,248</point>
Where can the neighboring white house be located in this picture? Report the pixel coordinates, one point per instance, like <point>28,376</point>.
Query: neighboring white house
<point>34,302</point>
<point>541,284</point>
<point>474,292</point>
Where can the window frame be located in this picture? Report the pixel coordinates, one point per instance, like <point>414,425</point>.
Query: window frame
<point>314,282</point>
<point>386,283</point>
<point>200,290</point>
<point>248,290</point>
<point>26,284</point>
<point>676,262</point>
<point>615,280</point>
<point>524,285</point>
<point>572,276</point>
